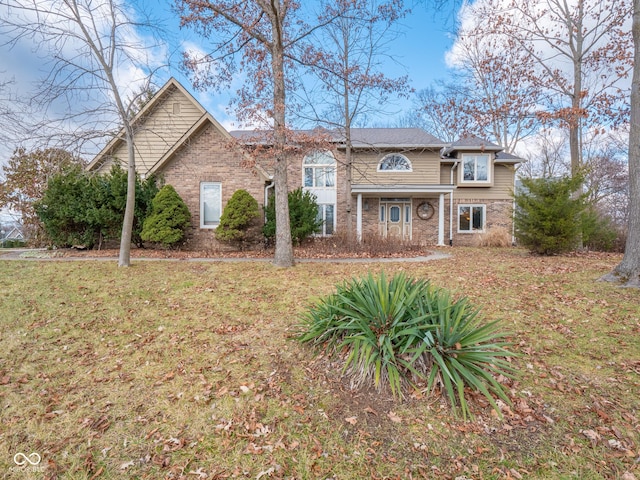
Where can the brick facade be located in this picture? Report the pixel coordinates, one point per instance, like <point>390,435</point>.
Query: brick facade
<point>207,157</point>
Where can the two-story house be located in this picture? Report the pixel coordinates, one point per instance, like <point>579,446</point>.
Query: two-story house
<point>401,183</point>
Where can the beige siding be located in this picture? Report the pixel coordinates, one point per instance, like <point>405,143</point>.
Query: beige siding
<point>424,164</point>
<point>501,189</point>
<point>158,131</point>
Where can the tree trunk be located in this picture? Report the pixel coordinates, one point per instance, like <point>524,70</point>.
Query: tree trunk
<point>575,118</point>
<point>628,271</point>
<point>284,248</point>
<point>124,259</point>
<point>348,155</point>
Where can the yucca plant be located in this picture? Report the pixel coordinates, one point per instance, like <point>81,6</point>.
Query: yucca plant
<point>463,352</point>
<point>398,332</point>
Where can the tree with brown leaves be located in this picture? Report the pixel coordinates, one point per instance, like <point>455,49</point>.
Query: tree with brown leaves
<point>25,180</point>
<point>348,58</point>
<point>582,52</point>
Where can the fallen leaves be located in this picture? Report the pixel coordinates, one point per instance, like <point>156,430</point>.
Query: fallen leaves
<point>394,417</point>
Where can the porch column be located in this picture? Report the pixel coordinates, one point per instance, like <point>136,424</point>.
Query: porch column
<point>441,221</point>
<point>359,218</point>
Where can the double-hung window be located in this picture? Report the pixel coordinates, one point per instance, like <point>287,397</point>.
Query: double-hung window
<point>471,218</point>
<point>476,169</point>
<point>210,204</point>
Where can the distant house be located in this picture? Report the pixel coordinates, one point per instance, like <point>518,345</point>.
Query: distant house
<point>12,233</point>
<point>405,184</point>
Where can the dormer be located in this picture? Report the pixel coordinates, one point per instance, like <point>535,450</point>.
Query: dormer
<point>475,160</point>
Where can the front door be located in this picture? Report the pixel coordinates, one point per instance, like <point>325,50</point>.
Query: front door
<point>395,219</point>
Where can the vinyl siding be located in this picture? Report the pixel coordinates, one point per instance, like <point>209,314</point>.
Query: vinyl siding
<point>158,132</point>
<point>501,189</point>
<point>424,164</point>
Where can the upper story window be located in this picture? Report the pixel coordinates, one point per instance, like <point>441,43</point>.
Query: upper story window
<point>475,168</point>
<point>319,170</point>
<point>394,162</point>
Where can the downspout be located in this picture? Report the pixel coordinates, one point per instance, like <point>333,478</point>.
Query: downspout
<point>455,164</point>
<point>271,184</point>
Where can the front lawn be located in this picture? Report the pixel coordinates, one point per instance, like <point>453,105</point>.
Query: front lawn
<point>188,370</point>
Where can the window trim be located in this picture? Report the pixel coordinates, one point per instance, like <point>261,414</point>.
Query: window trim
<point>315,166</point>
<point>202,220</point>
<point>472,206</point>
<point>409,170</point>
<point>322,215</point>
<point>476,182</point>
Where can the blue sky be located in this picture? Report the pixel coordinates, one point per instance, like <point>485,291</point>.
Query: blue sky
<point>419,52</point>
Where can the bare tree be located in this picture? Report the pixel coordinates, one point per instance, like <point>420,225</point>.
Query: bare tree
<point>348,58</point>
<point>493,88</point>
<point>90,45</point>
<point>268,35</point>
<point>628,271</point>
<point>546,155</point>
<point>581,51</point>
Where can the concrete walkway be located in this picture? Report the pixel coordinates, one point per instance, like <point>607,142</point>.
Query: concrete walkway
<point>41,254</point>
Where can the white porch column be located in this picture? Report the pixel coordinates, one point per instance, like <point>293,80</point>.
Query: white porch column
<point>359,218</point>
<point>441,221</point>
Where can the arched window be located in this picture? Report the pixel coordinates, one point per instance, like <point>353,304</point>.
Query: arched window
<point>319,170</point>
<point>394,162</point>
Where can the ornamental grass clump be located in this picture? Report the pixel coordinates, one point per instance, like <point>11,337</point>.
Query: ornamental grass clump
<point>405,332</point>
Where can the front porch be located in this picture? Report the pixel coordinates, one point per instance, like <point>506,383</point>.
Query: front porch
<point>396,209</point>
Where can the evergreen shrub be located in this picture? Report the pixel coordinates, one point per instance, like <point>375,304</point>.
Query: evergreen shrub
<point>548,216</point>
<point>169,218</point>
<point>303,216</point>
<point>239,219</point>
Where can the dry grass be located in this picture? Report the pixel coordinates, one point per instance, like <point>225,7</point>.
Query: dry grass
<point>498,237</point>
<point>181,369</point>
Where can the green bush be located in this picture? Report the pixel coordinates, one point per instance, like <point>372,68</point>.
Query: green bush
<point>78,208</point>
<point>238,220</point>
<point>548,218</point>
<point>169,218</point>
<point>303,216</point>
<point>401,331</point>
<point>599,232</point>
<point>12,243</point>
<point>67,209</point>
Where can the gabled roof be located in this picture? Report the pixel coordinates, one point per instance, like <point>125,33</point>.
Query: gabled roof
<point>14,234</point>
<point>471,143</point>
<point>141,116</point>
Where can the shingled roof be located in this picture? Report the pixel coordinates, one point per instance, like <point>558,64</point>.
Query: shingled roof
<point>470,142</point>
<point>365,137</point>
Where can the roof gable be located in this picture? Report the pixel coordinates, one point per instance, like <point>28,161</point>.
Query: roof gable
<point>162,122</point>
